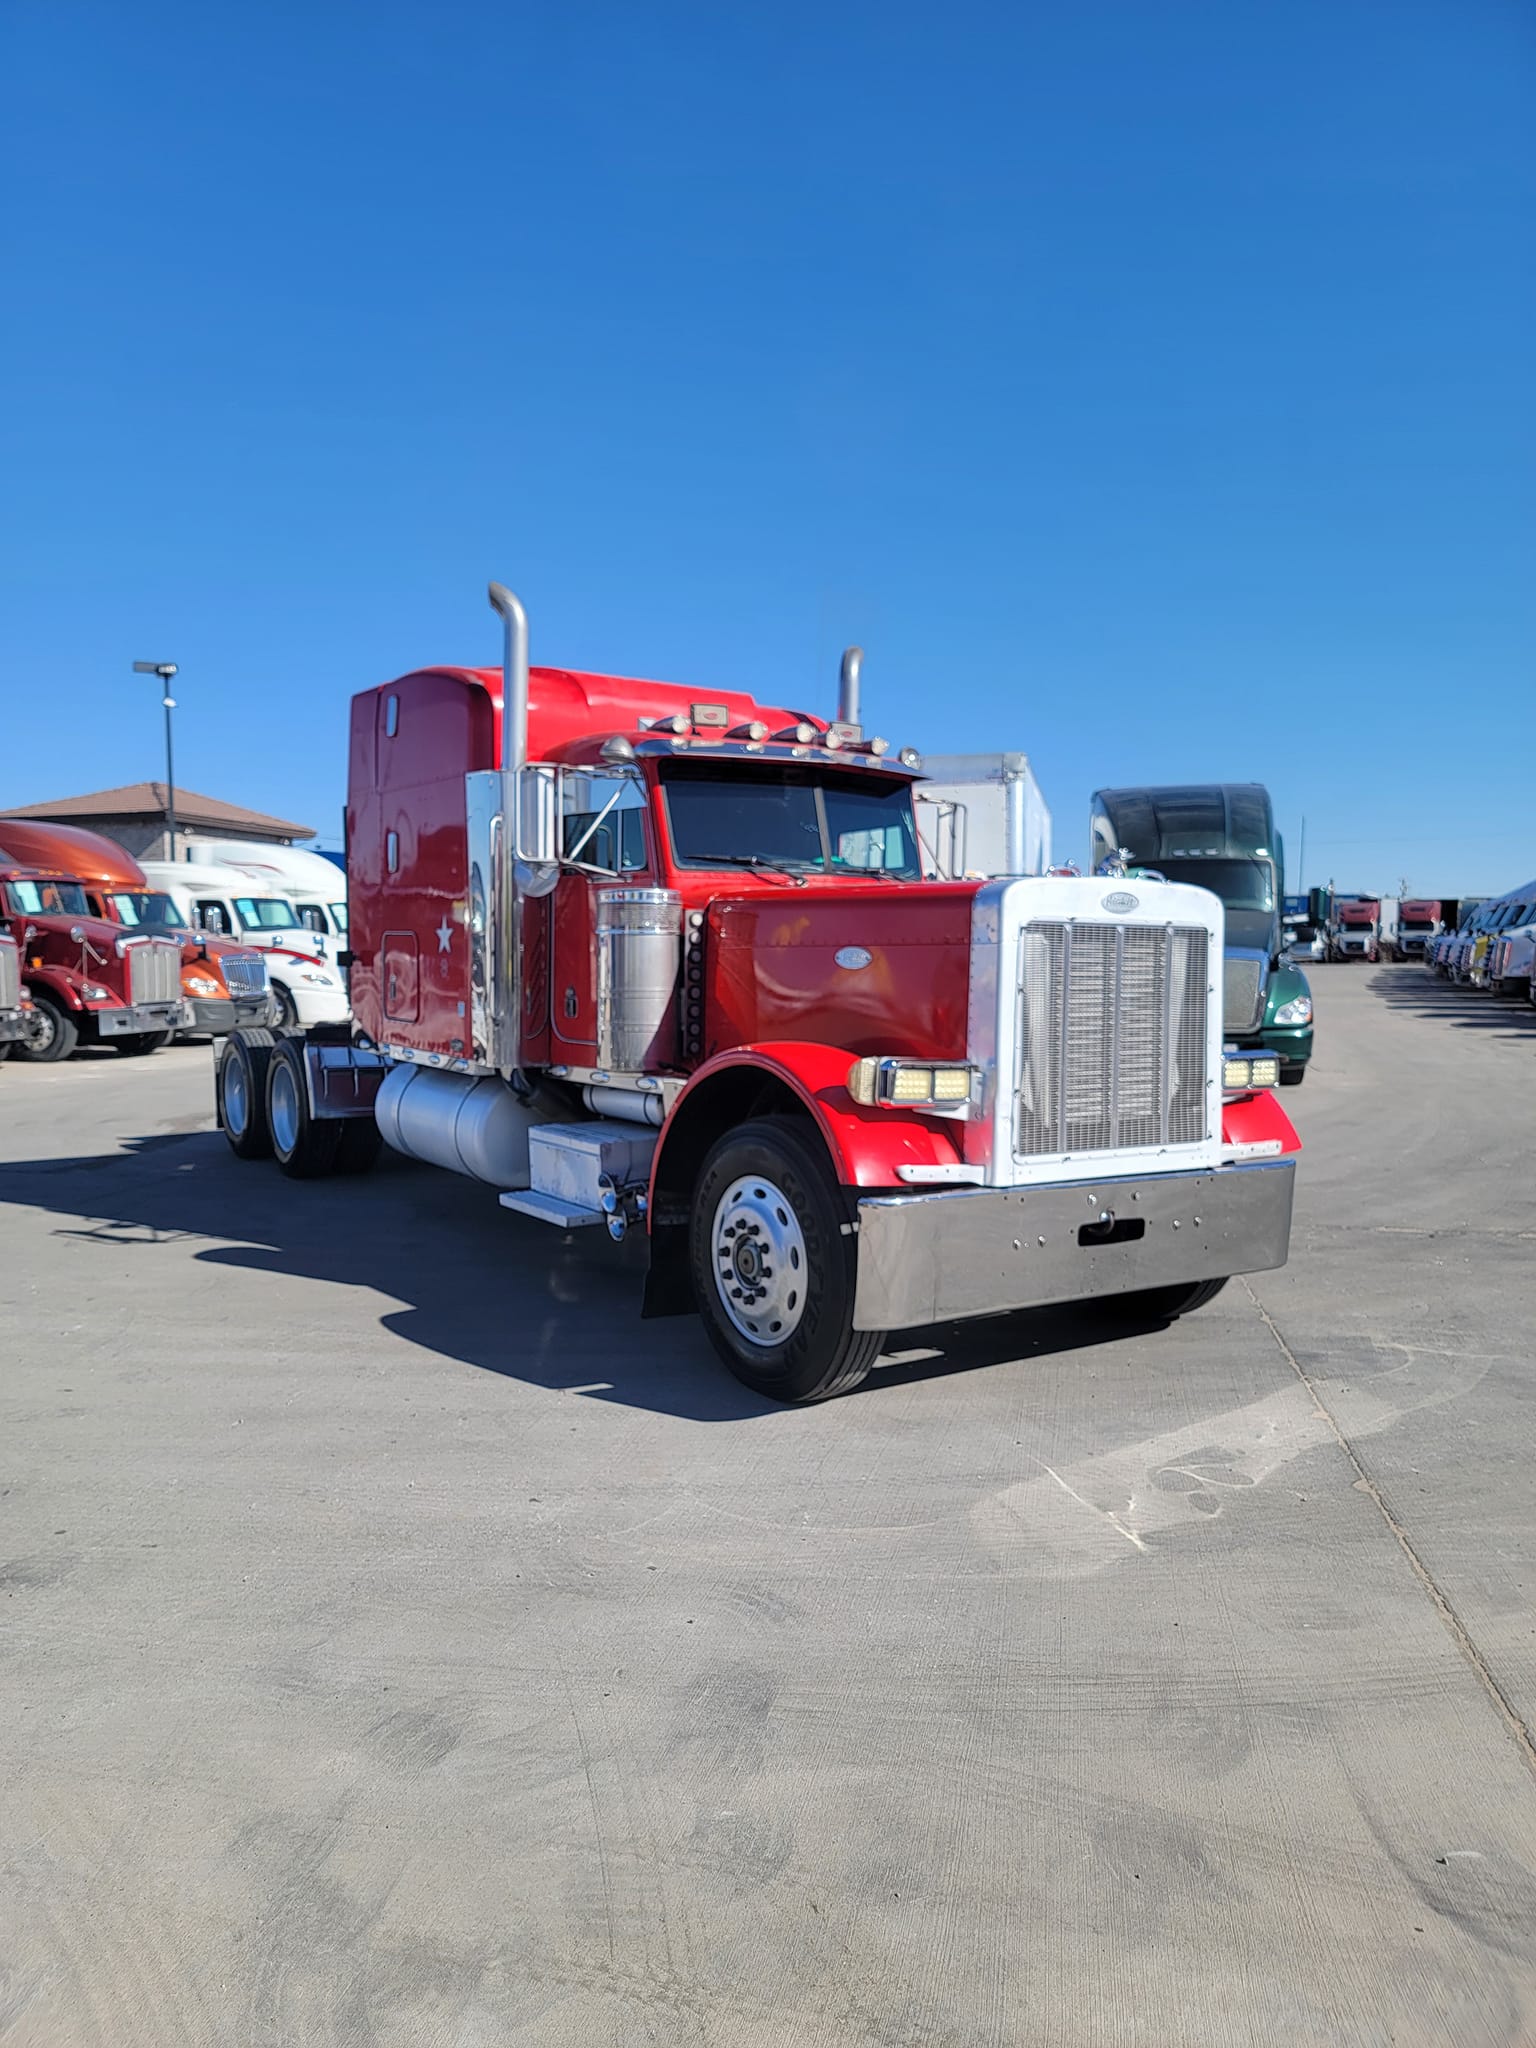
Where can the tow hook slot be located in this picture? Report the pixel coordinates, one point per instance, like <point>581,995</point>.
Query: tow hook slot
<point>1112,1229</point>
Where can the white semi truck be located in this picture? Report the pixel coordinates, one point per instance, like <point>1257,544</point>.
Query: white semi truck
<point>306,977</point>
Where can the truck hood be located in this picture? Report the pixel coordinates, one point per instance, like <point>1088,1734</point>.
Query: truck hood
<point>53,935</point>
<point>882,968</point>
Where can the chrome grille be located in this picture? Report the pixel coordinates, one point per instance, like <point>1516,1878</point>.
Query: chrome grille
<point>245,974</point>
<point>154,971</point>
<point>1112,1030</point>
<point>1242,991</point>
<point>10,976</point>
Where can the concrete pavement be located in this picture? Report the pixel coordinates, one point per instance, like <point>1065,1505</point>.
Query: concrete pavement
<point>404,1645</point>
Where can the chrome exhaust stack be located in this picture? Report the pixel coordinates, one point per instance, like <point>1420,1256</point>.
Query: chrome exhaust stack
<point>514,677</point>
<point>848,686</point>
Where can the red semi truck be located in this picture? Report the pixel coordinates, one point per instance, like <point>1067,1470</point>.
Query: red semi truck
<point>634,956</point>
<point>1355,933</point>
<point>222,983</point>
<point>17,1018</point>
<point>89,981</point>
<point>1419,923</point>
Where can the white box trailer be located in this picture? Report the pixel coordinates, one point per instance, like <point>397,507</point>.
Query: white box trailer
<point>315,886</point>
<point>982,814</point>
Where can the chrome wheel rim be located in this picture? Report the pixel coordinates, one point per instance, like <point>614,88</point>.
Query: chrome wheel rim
<point>284,1108</point>
<point>45,1030</point>
<point>757,1254</point>
<point>237,1097</point>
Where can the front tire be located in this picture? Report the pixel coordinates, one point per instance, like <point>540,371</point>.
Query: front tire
<point>304,1147</point>
<point>287,1008</point>
<point>55,1034</point>
<point>1164,1304</point>
<point>773,1270</point>
<point>139,1043</point>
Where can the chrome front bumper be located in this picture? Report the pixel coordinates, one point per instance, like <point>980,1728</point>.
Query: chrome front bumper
<point>940,1257</point>
<point>128,1020</point>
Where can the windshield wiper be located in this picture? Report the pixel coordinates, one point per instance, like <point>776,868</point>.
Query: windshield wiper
<point>854,867</point>
<point>747,860</point>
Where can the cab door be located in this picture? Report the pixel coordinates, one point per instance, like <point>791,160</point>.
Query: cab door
<point>603,840</point>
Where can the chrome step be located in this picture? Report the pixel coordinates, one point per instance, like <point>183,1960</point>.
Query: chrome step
<point>551,1209</point>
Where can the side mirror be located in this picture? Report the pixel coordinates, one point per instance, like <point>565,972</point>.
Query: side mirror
<point>533,812</point>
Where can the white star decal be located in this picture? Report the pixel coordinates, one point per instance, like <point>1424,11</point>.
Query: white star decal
<point>444,936</point>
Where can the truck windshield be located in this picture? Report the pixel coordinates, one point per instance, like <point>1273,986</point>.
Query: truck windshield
<point>266,913</point>
<point>47,899</point>
<point>801,818</point>
<point>145,906</point>
<point>1241,884</point>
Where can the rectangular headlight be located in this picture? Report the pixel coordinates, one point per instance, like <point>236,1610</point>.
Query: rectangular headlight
<point>1236,1075</point>
<point>1264,1073</point>
<point>909,1084</point>
<point>951,1084</point>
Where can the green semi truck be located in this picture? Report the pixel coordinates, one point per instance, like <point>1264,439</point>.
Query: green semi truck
<point>1221,836</point>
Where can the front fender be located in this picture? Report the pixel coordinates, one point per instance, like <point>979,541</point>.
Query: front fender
<point>57,981</point>
<point>866,1145</point>
<point>1251,1120</point>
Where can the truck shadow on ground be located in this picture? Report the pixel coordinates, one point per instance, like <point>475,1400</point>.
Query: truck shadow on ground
<point>1421,994</point>
<point>473,1283</point>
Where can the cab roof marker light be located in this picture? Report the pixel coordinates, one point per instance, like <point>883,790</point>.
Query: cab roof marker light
<point>909,757</point>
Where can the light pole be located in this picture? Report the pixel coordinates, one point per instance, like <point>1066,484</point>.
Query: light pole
<point>165,670</point>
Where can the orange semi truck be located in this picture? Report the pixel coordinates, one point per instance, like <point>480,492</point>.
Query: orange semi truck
<point>223,985</point>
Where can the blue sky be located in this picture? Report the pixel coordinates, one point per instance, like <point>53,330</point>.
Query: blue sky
<point>1146,387</point>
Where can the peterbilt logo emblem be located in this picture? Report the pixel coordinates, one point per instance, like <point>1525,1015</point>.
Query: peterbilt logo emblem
<point>1120,899</point>
<point>851,956</point>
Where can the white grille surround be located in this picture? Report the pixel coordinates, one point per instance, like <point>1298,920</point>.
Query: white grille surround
<point>1098,1029</point>
<point>10,976</point>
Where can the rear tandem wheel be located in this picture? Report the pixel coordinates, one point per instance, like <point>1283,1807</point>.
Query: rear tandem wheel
<point>241,1085</point>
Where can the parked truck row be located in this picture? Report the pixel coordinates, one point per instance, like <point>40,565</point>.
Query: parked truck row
<point>255,929</point>
<point>1492,945</point>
